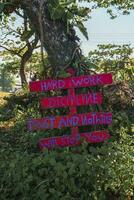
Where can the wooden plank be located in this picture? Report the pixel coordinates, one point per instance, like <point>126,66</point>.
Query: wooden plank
<point>69,121</point>
<point>72,107</point>
<point>71,100</point>
<point>72,110</point>
<point>68,141</point>
<point>96,136</point>
<point>64,141</point>
<point>71,82</point>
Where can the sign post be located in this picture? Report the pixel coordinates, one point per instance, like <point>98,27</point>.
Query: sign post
<point>72,120</point>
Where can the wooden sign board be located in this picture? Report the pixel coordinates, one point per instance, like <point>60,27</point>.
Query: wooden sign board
<point>72,82</point>
<point>69,121</point>
<point>72,120</point>
<point>70,100</point>
<point>65,141</point>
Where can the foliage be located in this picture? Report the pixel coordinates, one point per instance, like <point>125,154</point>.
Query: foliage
<point>6,80</point>
<point>71,12</point>
<point>2,95</point>
<point>63,174</point>
<point>17,42</point>
<point>114,58</point>
<point>100,171</point>
<point>113,7</point>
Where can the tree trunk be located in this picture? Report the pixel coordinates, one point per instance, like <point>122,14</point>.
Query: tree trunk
<point>27,55</point>
<point>22,73</point>
<point>61,47</point>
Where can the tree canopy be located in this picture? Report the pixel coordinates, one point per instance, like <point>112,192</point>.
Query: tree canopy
<point>54,22</point>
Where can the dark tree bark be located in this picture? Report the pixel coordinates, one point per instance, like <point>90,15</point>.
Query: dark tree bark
<point>23,54</point>
<point>61,47</point>
<point>27,55</point>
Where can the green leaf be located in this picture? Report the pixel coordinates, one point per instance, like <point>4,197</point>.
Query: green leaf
<point>63,74</point>
<point>27,34</point>
<point>83,12</point>
<point>1,7</point>
<point>55,9</point>
<point>82,29</point>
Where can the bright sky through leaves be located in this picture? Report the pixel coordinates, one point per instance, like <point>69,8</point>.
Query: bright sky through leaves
<point>103,30</point>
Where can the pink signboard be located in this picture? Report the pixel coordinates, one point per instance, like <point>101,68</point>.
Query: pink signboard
<point>95,137</point>
<point>60,122</point>
<point>65,141</point>
<point>72,82</point>
<point>72,120</point>
<point>65,101</point>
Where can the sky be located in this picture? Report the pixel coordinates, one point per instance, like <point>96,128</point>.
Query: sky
<point>103,30</point>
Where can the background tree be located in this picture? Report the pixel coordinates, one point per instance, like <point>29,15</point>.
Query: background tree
<point>33,70</point>
<point>18,41</point>
<point>117,59</point>
<point>7,80</point>
<point>54,21</point>
<point>113,58</point>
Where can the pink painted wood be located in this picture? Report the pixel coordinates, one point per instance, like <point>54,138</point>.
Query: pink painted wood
<point>73,119</point>
<point>65,141</point>
<point>71,82</point>
<point>96,136</point>
<point>72,111</point>
<point>69,121</point>
<point>71,100</point>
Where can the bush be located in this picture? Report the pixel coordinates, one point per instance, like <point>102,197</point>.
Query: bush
<point>102,171</point>
<point>85,172</point>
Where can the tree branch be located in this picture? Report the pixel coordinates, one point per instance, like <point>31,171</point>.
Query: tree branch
<point>18,13</point>
<point>11,51</point>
